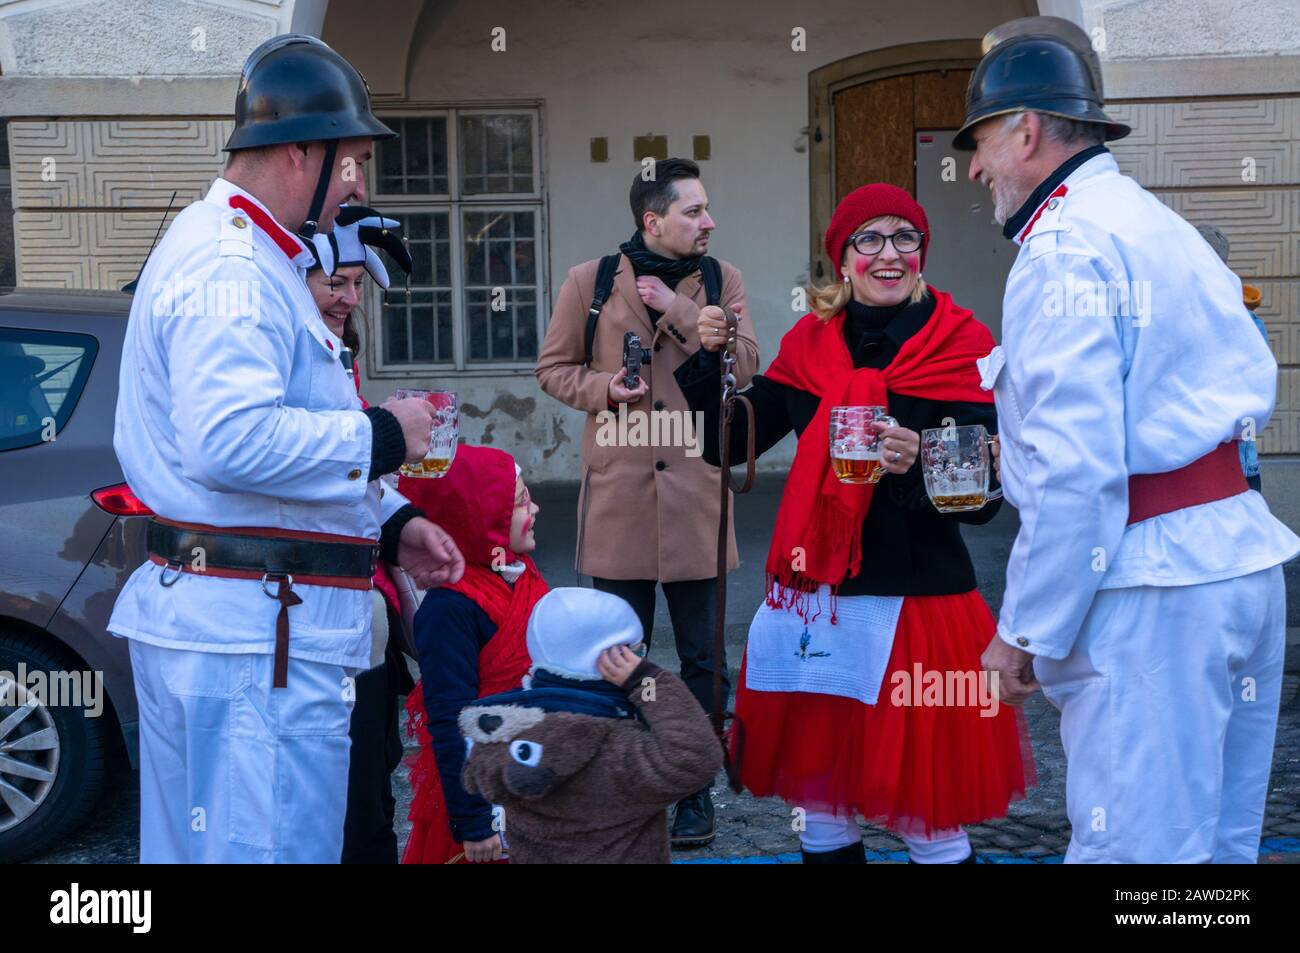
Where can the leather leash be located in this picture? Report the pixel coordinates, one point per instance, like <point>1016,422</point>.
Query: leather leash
<point>727,485</point>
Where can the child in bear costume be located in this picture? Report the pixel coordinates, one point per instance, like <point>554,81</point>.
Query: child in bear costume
<point>587,758</point>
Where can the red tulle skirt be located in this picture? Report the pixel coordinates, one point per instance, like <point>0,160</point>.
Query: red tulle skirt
<point>912,767</point>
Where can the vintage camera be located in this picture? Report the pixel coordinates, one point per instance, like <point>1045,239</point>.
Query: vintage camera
<point>634,355</point>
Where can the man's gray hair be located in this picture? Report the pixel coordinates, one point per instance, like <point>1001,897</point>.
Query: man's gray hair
<point>1067,132</point>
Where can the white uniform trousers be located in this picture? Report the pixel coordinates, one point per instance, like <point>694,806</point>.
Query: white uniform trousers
<point>233,771</point>
<point>1169,702</point>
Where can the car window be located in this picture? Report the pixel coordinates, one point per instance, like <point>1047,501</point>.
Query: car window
<point>42,375</point>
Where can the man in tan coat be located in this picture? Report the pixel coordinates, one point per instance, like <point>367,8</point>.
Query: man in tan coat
<point>649,507</point>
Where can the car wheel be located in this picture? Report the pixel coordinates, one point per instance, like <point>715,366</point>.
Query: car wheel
<point>52,757</point>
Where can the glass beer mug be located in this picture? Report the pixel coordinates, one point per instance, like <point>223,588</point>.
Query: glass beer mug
<point>855,445</point>
<point>443,439</point>
<point>955,465</point>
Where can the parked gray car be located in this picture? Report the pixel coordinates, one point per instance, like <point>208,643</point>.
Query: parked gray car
<point>73,533</point>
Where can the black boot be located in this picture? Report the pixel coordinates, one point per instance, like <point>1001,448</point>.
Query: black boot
<point>848,854</point>
<point>693,823</point>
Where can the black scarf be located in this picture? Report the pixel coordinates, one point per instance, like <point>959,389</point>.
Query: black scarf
<point>866,327</point>
<point>1045,188</point>
<point>646,262</point>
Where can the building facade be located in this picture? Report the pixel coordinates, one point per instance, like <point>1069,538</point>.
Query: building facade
<point>523,126</point>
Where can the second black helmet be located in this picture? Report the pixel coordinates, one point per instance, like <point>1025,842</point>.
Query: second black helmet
<point>1038,73</point>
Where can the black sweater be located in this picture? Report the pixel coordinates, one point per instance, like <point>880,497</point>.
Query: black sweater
<point>908,547</point>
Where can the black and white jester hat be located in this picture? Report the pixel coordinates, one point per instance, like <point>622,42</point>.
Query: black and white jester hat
<point>357,231</point>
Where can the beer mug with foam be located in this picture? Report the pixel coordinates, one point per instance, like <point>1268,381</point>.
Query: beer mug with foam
<point>442,441</point>
<point>855,445</point>
<point>955,465</point>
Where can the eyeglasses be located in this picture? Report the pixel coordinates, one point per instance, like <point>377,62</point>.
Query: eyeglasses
<point>873,243</point>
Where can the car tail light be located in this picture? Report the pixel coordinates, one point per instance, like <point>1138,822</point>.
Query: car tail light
<point>120,501</point>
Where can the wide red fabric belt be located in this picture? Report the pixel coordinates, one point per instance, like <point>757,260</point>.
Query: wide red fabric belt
<point>1215,476</point>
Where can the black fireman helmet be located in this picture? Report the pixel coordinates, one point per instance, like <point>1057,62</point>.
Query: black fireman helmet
<point>295,88</point>
<point>1041,73</point>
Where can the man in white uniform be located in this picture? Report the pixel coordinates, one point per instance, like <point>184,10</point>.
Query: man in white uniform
<point>1144,589</point>
<point>238,426</point>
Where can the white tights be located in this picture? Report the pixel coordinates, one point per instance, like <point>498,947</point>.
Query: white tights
<point>826,832</point>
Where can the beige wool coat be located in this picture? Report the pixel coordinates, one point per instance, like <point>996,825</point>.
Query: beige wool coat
<point>644,512</point>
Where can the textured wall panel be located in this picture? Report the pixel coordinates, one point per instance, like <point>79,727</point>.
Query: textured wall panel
<point>1206,145</point>
<point>1261,224</point>
<point>1253,164</point>
<point>1141,116</point>
<point>114,164</point>
<point>66,234</point>
<point>1277,309</point>
<point>1198,148</point>
<point>1135,153</point>
<point>83,249</point>
<point>1227,121</point>
<point>1283,432</point>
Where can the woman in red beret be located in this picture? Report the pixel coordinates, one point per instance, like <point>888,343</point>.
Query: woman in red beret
<point>861,690</point>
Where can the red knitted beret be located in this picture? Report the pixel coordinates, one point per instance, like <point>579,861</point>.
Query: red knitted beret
<point>868,202</point>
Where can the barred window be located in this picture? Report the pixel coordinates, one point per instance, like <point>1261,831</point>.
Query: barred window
<point>466,185</point>
<point>417,161</point>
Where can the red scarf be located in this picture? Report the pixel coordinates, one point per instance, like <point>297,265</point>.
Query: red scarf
<point>818,536</point>
<point>502,664</point>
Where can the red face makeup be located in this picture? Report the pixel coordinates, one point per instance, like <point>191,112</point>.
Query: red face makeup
<point>888,276</point>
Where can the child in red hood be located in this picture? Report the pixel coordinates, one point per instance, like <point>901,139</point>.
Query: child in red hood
<point>471,639</point>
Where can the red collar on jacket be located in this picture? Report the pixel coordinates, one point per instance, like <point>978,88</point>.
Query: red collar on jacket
<point>289,244</point>
<point>1058,194</point>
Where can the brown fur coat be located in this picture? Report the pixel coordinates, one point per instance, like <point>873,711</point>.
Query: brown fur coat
<point>584,789</point>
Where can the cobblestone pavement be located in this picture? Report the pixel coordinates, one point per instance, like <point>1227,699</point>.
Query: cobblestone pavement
<point>1036,829</point>
<point>758,829</point>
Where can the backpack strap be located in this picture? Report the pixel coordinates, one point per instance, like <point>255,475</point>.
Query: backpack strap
<point>604,285</point>
<point>711,271</point>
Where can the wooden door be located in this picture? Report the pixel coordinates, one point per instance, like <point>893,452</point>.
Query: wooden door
<point>898,129</point>
<point>876,122</point>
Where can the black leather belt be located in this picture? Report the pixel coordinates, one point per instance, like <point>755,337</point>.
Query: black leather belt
<point>282,557</point>
<point>300,558</point>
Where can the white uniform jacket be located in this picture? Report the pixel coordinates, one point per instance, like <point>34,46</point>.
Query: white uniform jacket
<point>234,410</point>
<point>1126,349</point>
